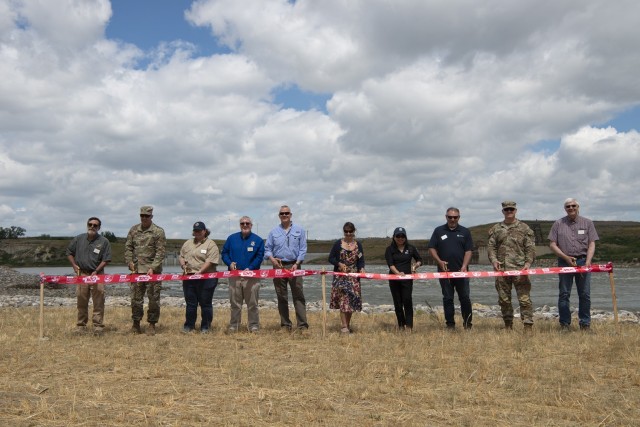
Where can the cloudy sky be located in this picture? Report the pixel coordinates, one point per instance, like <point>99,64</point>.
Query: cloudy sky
<point>379,112</point>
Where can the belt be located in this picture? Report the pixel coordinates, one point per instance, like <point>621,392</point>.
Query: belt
<point>288,262</point>
<point>578,256</point>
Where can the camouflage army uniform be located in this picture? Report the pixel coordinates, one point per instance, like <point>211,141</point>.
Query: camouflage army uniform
<point>513,245</point>
<point>146,249</point>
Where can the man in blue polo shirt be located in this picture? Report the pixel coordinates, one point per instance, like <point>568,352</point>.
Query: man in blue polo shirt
<point>244,251</point>
<point>451,246</point>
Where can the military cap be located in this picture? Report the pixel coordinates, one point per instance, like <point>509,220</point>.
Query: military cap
<point>508,204</point>
<point>146,210</point>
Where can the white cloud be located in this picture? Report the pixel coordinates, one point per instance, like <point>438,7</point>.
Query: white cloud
<point>432,104</point>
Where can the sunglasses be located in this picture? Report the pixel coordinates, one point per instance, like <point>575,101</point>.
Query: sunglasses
<point>453,217</point>
<point>571,206</point>
<point>401,236</point>
<point>284,213</point>
<point>509,209</point>
<point>93,225</point>
<point>349,231</point>
<point>145,216</point>
<point>245,223</point>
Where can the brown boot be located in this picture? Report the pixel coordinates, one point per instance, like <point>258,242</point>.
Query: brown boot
<point>136,327</point>
<point>151,330</point>
<point>528,328</point>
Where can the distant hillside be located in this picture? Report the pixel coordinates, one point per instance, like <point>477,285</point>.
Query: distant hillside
<point>619,242</point>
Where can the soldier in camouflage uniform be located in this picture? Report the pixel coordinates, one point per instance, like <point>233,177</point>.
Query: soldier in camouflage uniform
<point>144,253</point>
<point>511,246</point>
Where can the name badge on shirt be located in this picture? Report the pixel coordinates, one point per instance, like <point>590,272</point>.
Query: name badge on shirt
<point>444,237</point>
<point>250,249</point>
<point>580,231</point>
<point>96,251</point>
<point>203,251</point>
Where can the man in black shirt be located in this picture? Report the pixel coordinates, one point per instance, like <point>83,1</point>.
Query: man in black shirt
<point>451,246</point>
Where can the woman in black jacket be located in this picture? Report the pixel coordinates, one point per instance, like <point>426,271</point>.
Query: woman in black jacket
<point>399,256</point>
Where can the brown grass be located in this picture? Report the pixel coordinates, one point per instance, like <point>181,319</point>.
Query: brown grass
<point>376,376</point>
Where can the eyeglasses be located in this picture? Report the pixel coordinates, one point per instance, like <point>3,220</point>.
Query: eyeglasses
<point>508,209</point>
<point>245,223</point>
<point>401,236</point>
<point>284,213</point>
<point>93,225</point>
<point>145,216</point>
<point>571,206</point>
<point>453,217</point>
<point>349,231</point>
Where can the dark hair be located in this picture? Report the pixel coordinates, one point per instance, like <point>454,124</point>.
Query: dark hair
<point>97,219</point>
<point>393,242</point>
<point>349,225</point>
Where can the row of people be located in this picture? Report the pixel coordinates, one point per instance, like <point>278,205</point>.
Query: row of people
<point>511,246</point>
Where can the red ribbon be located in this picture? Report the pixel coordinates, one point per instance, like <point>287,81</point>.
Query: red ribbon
<point>282,273</point>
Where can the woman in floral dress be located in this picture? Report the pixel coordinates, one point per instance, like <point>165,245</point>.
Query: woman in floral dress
<point>347,257</point>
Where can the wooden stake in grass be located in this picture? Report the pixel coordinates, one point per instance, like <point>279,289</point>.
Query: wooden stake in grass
<point>613,298</point>
<point>41,308</point>
<point>324,304</point>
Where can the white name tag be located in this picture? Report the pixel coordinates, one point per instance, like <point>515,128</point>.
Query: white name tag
<point>96,251</point>
<point>444,237</point>
<point>580,231</point>
<point>250,249</point>
<point>203,251</point>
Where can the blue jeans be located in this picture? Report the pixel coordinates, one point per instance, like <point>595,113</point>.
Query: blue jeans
<point>449,287</point>
<point>199,292</point>
<point>583,284</point>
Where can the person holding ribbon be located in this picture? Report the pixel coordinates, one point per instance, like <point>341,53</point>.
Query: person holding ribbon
<point>573,240</point>
<point>286,248</point>
<point>400,256</point>
<point>88,253</point>
<point>244,250</point>
<point>512,246</point>
<point>144,253</point>
<point>451,246</point>
<point>198,256</point>
<point>346,256</point>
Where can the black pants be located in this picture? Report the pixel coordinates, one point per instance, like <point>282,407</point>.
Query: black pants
<point>401,291</point>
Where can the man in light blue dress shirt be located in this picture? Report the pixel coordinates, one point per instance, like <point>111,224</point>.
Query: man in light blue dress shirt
<point>286,248</point>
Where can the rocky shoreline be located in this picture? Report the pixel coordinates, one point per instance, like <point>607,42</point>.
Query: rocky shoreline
<point>23,290</point>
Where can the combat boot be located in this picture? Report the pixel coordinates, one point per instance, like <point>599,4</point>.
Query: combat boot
<point>151,330</point>
<point>508,325</point>
<point>136,327</point>
<point>528,328</point>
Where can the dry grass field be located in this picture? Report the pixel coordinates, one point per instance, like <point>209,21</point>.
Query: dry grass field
<point>377,376</point>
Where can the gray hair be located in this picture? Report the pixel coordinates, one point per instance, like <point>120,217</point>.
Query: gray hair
<point>571,200</point>
<point>247,218</point>
<point>453,209</point>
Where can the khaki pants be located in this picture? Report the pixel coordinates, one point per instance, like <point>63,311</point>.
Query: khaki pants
<point>247,290</point>
<point>96,293</point>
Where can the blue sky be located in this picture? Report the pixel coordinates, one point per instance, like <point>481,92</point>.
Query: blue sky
<point>371,112</point>
<point>147,23</point>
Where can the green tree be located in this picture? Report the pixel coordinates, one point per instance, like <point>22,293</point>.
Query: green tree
<point>110,236</point>
<point>12,232</point>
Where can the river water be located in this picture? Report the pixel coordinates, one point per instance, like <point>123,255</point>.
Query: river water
<point>375,292</point>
